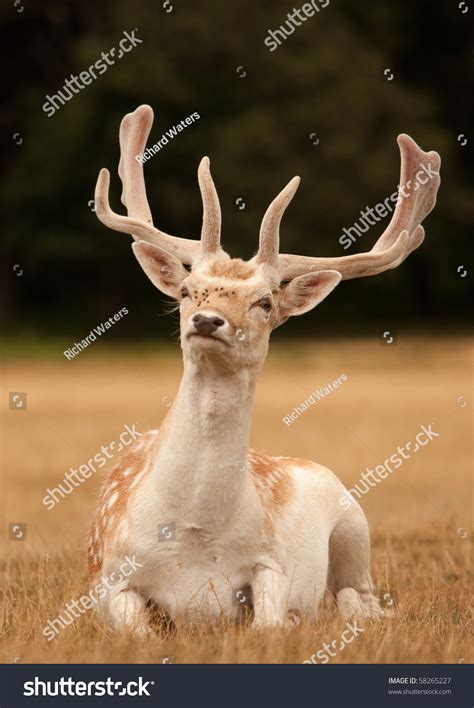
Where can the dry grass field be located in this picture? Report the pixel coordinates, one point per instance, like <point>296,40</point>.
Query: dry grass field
<point>420,516</point>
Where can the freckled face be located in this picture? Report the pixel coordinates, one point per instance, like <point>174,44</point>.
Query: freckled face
<point>230,320</point>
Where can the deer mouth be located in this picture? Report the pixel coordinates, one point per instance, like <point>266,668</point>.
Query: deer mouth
<point>208,337</point>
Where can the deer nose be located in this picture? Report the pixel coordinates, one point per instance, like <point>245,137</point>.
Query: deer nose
<point>206,324</point>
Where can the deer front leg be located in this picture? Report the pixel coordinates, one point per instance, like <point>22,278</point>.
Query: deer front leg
<point>270,593</point>
<point>126,610</point>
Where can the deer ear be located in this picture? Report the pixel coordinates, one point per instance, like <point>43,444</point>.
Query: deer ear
<point>165,271</point>
<point>305,292</point>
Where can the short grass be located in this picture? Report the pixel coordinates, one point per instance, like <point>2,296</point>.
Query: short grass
<point>420,517</point>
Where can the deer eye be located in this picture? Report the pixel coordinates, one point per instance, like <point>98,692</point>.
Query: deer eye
<point>184,292</point>
<point>265,303</point>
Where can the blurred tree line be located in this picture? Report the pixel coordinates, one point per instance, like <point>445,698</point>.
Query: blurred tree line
<point>327,79</point>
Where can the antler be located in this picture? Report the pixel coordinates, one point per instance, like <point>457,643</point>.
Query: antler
<point>400,238</point>
<point>270,229</point>
<point>211,216</point>
<point>134,131</point>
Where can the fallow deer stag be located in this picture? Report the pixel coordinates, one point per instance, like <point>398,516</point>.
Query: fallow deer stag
<point>272,527</point>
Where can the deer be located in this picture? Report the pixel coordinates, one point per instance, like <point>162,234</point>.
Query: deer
<point>238,523</point>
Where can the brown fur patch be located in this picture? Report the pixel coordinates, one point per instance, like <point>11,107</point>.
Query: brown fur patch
<point>291,462</point>
<point>234,269</point>
<point>297,462</point>
<point>116,492</point>
<point>273,483</point>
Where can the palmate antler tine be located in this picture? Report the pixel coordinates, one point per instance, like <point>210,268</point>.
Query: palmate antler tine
<point>416,198</point>
<point>419,183</point>
<point>134,132</point>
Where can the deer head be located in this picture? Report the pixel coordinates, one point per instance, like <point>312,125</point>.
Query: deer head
<point>229,307</point>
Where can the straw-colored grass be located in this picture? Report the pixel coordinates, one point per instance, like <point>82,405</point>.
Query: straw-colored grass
<point>420,517</point>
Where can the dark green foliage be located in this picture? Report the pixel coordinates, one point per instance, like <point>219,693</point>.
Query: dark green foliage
<point>326,78</point>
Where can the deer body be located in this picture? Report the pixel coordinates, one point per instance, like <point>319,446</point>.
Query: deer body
<point>209,521</point>
<point>196,576</point>
<point>234,517</point>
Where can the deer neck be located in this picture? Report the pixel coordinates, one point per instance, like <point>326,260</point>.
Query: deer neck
<point>201,466</point>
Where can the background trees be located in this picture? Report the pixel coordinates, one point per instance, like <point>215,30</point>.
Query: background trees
<point>326,79</point>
